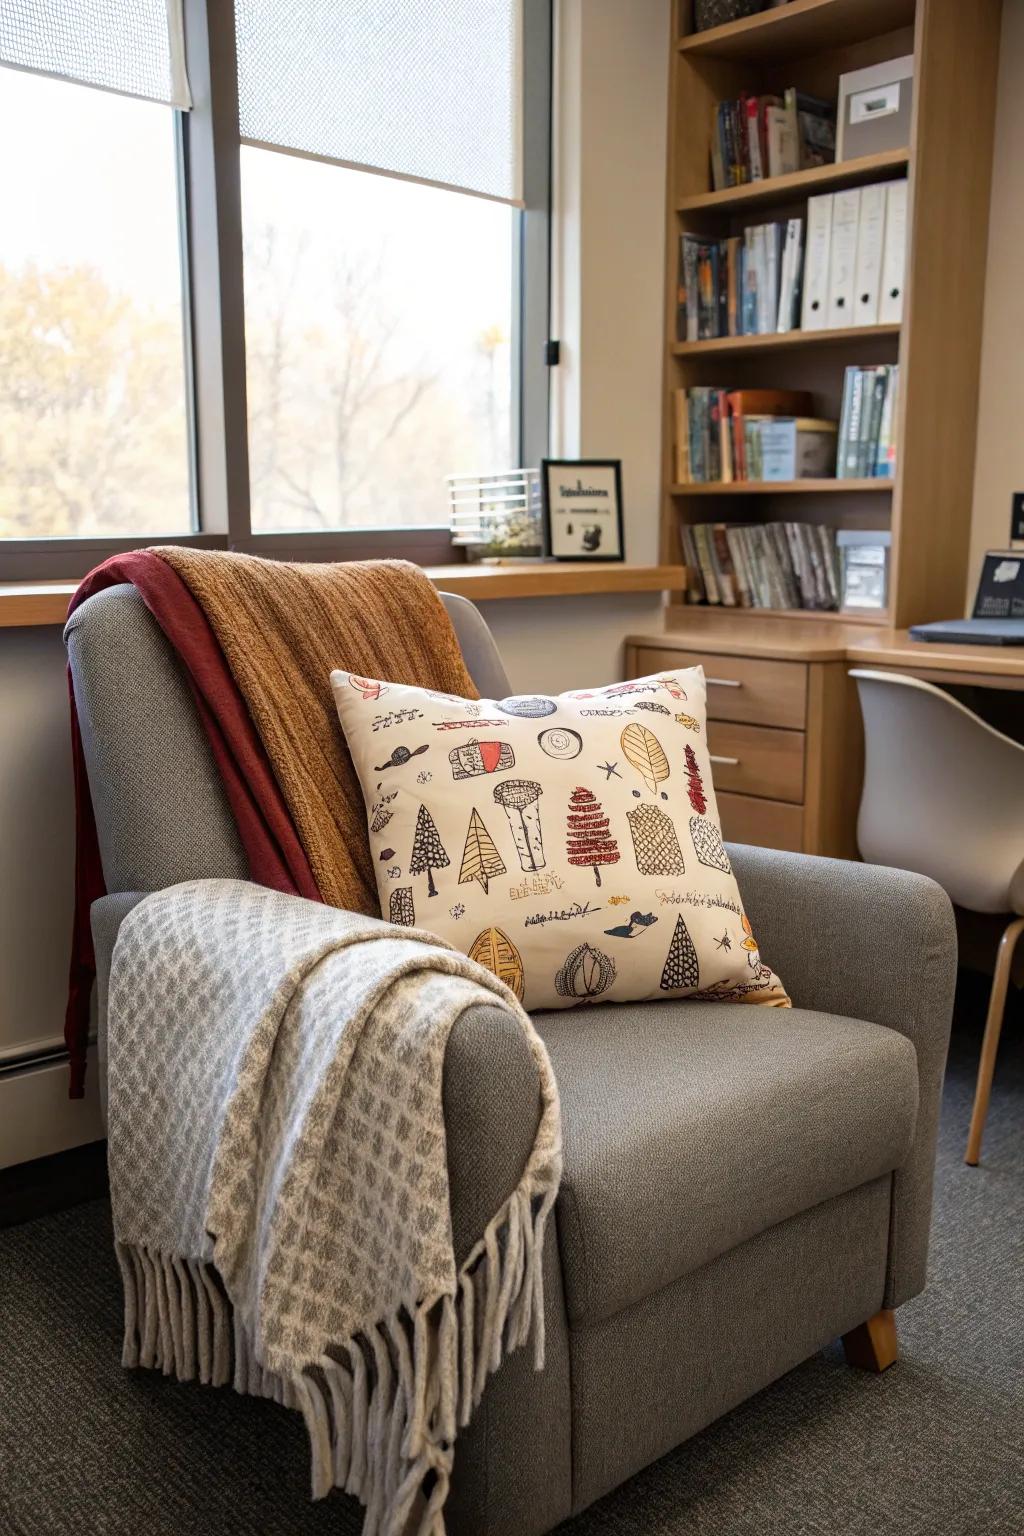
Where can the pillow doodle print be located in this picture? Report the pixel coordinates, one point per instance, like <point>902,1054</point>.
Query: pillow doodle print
<point>569,843</point>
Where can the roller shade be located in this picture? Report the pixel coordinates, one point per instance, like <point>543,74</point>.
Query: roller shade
<point>427,90</point>
<point>133,47</point>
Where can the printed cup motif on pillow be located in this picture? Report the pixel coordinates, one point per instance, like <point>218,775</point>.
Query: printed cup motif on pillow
<point>519,798</point>
<point>556,837</point>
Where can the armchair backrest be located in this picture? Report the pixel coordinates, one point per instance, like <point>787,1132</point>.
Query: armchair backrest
<point>161,812</point>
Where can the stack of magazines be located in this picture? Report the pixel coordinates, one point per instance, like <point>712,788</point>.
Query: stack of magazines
<point>762,565</point>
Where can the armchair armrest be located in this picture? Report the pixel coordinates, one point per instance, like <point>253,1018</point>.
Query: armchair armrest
<point>875,944</point>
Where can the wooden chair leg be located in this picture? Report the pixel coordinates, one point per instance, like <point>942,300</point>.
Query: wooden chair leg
<point>872,1346</point>
<point>990,1044</point>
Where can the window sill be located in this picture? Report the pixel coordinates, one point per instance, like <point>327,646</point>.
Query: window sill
<point>25,603</point>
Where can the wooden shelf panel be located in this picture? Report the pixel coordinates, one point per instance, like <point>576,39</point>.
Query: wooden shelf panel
<point>777,341</point>
<point>814,615</point>
<point>567,578</point>
<point>778,189</point>
<point>799,28</point>
<point>778,487</point>
<point>24,604</point>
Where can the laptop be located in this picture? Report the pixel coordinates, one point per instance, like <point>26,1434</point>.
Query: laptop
<point>998,617</point>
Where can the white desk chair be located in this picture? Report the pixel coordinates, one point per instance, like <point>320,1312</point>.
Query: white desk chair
<point>944,795</point>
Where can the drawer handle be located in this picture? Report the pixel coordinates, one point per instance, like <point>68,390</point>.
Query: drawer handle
<point>728,762</point>
<point>723,682</point>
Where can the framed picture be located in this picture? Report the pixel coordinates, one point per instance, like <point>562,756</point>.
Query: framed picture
<point>582,501</point>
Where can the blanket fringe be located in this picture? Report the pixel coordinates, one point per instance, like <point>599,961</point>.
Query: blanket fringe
<point>383,1410</point>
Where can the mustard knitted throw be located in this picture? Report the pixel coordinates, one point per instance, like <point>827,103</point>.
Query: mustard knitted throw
<point>283,628</point>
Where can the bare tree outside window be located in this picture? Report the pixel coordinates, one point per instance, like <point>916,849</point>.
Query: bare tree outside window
<point>378,320</point>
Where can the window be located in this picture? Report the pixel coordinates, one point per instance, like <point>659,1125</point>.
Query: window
<point>378,329</point>
<point>394,280</point>
<point>94,437</point>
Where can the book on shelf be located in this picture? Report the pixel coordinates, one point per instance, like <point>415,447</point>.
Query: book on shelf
<point>745,285</point>
<point>762,565</point>
<point>758,137</point>
<point>735,435</point>
<point>867,423</point>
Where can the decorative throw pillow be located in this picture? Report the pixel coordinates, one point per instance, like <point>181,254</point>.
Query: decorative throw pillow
<point>570,844</point>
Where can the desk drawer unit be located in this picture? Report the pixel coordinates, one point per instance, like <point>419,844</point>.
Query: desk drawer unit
<point>784,743</point>
<point>757,760</point>
<point>740,687</point>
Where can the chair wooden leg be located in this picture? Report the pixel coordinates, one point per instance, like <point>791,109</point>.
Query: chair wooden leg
<point>872,1346</point>
<point>990,1044</point>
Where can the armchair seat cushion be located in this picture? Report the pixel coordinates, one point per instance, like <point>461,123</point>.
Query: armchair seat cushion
<point>692,1127</point>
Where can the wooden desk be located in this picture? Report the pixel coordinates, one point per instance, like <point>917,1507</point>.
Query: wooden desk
<point>783,709</point>
<point>983,666</point>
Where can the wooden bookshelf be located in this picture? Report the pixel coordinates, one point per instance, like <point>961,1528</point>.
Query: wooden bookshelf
<point>820,178</point>
<point>809,44</point>
<point>778,487</point>
<point>799,28</point>
<point>782,341</point>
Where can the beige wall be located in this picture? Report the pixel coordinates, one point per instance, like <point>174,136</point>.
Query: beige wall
<point>999,466</point>
<point>611,164</point>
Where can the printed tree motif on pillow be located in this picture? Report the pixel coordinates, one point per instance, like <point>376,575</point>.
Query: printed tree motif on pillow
<point>587,972</point>
<point>655,844</point>
<point>587,839</point>
<point>401,910</point>
<point>644,752</point>
<point>427,851</point>
<point>481,860</point>
<point>708,845</point>
<point>682,968</point>
<point>694,782</point>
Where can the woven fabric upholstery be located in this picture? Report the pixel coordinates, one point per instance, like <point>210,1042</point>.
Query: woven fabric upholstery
<point>876,944</point>
<point>479,651</point>
<point>648,1378</point>
<point>513,1464</point>
<point>690,1127</point>
<point>161,814</point>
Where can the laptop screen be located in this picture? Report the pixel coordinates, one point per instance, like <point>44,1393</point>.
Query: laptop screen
<point>1000,592</point>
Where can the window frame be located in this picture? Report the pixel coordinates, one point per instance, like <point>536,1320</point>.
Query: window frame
<point>214,324</point>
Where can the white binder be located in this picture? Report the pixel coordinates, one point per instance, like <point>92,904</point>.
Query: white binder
<point>870,235</point>
<point>814,314</point>
<point>843,263</point>
<point>894,254</point>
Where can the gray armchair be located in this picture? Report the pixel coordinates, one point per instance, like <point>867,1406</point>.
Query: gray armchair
<point>742,1185</point>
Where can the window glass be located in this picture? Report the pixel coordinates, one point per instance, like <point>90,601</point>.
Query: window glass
<point>94,428</point>
<point>379,317</point>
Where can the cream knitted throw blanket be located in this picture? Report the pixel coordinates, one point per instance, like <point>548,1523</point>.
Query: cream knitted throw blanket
<point>280,1184</point>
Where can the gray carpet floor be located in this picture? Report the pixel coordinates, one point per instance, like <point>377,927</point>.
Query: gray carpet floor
<point>933,1448</point>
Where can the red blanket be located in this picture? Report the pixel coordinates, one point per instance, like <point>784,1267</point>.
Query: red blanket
<point>276,857</point>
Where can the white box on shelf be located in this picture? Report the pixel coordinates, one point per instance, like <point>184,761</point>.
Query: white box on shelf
<point>873,112</point>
